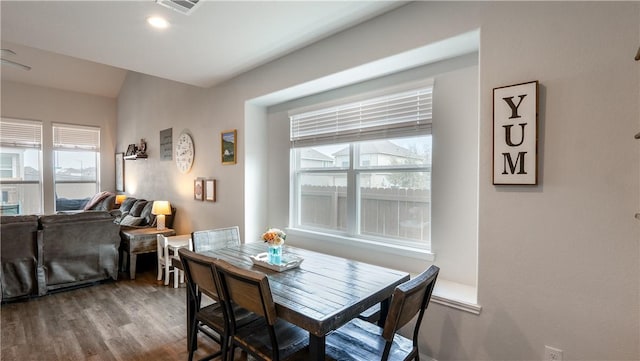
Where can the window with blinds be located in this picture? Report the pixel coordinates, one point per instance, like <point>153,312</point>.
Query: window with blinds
<point>76,154</point>
<point>20,133</point>
<point>20,165</point>
<point>390,115</point>
<point>362,170</point>
<point>76,137</point>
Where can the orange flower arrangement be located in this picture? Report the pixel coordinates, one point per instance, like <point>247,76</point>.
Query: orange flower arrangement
<point>274,236</point>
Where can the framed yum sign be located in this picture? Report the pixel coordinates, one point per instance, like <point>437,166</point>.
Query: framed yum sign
<point>515,134</point>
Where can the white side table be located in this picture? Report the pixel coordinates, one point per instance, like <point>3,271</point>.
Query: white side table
<point>167,250</point>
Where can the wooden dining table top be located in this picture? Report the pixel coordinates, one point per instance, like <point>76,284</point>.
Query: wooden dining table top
<point>325,291</point>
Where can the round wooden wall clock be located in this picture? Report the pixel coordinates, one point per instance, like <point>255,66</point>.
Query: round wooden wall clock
<point>185,153</point>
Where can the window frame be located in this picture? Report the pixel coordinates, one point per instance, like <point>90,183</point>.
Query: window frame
<point>21,140</point>
<point>353,230</point>
<point>302,136</point>
<point>63,143</point>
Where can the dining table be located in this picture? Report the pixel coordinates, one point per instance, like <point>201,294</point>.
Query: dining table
<point>320,294</point>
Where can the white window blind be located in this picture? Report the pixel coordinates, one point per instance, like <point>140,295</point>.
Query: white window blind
<point>391,115</point>
<point>20,133</point>
<point>67,136</point>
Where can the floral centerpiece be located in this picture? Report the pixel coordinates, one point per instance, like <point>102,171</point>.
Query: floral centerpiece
<point>274,236</point>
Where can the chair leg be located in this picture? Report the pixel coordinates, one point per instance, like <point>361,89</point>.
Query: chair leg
<point>166,273</point>
<point>194,339</point>
<point>231,352</point>
<point>176,272</point>
<point>160,265</point>
<point>223,345</point>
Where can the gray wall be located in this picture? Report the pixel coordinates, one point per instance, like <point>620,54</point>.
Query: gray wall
<point>558,263</point>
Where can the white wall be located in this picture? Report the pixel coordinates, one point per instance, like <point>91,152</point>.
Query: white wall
<point>558,263</point>
<point>50,105</point>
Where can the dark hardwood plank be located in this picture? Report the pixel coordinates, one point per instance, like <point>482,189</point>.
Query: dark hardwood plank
<point>124,320</point>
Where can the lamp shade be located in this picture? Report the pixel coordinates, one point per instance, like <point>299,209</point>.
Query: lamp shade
<point>161,207</point>
<point>120,198</point>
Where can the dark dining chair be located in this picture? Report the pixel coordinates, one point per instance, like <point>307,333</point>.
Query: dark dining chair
<point>199,272</point>
<point>363,341</point>
<point>213,239</point>
<point>271,338</point>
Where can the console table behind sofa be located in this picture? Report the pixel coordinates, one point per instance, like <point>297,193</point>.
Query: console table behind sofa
<point>141,237</point>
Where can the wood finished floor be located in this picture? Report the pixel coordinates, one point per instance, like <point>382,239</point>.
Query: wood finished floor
<point>126,320</point>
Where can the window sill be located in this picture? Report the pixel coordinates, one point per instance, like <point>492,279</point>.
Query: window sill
<point>447,293</point>
<point>456,295</point>
<point>421,254</point>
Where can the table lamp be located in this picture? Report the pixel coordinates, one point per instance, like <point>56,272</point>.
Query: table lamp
<point>120,198</point>
<point>160,209</point>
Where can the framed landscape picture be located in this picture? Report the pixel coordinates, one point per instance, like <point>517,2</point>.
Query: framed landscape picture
<point>229,146</point>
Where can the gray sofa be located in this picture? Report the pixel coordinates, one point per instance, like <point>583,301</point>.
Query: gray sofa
<point>79,248</point>
<point>45,253</point>
<point>40,254</point>
<point>21,269</point>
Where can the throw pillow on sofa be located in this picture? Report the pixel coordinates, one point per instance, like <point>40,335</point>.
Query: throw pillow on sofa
<point>148,218</point>
<point>97,198</point>
<point>130,220</point>
<point>127,204</point>
<point>137,208</point>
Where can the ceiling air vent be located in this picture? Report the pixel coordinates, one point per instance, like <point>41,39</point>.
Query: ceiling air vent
<point>181,6</point>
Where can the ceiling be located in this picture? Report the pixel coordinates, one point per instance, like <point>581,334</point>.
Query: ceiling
<point>88,46</point>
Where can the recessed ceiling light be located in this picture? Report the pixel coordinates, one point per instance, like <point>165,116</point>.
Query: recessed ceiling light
<point>158,22</point>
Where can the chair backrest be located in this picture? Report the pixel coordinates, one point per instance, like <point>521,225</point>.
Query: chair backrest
<point>213,239</point>
<point>247,289</point>
<point>200,273</point>
<point>409,299</point>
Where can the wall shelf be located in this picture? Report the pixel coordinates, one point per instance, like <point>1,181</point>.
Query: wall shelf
<point>135,156</point>
<point>136,152</point>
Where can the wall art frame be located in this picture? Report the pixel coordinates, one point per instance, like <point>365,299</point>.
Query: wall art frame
<point>229,146</point>
<point>515,134</point>
<point>119,165</point>
<point>198,189</point>
<point>210,190</point>
<point>166,144</point>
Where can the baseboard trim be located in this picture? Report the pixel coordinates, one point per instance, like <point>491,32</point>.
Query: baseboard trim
<point>464,306</point>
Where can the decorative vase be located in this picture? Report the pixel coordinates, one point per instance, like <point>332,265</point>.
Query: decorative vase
<point>275,253</point>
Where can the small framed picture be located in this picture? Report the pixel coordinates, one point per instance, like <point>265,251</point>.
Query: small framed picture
<point>131,150</point>
<point>229,146</point>
<point>198,189</point>
<point>210,190</point>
